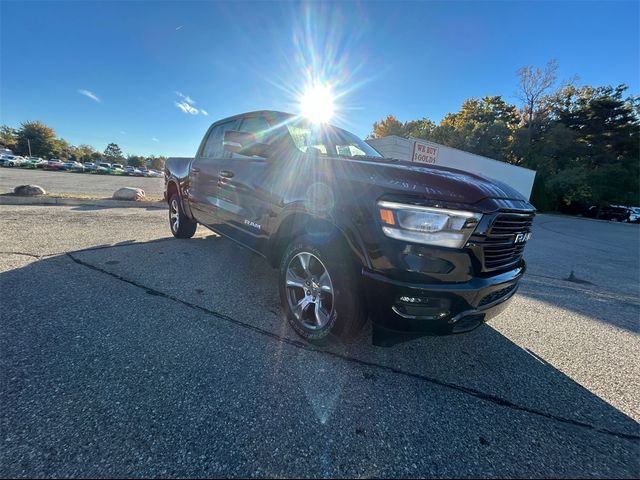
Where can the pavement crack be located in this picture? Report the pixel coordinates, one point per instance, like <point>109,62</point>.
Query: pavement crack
<point>22,253</point>
<point>305,346</point>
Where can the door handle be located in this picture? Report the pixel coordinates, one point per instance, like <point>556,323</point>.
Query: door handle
<point>195,170</point>
<point>226,174</point>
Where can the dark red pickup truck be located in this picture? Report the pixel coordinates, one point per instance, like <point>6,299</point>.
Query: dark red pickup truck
<point>413,247</point>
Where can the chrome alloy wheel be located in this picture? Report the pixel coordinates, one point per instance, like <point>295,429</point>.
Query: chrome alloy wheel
<point>174,215</point>
<point>309,290</point>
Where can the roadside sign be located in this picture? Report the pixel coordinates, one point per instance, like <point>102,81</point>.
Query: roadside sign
<point>424,153</point>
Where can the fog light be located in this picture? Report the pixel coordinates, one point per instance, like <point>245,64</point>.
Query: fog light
<point>422,308</point>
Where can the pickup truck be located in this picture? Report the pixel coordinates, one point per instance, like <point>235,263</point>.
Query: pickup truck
<point>413,247</point>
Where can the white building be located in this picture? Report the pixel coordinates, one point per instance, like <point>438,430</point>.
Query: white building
<point>423,151</point>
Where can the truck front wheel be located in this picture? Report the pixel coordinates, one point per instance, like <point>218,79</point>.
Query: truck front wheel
<point>319,290</point>
<point>181,225</point>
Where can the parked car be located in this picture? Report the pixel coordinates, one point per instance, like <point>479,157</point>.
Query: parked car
<point>129,170</point>
<point>153,173</point>
<point>90,166</point>
<point>13,161</point>
<point>54,164</point>
<point>31,162</point>
<point>412,246</point>
<point>634,216</point>
<point>615,213</point>
<point>73,166</point>
<point>104,164</point>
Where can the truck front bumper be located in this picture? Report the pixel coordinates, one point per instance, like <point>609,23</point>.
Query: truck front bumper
<point>438,308</point>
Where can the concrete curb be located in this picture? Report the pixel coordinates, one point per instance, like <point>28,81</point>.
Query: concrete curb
<point>105,203</point>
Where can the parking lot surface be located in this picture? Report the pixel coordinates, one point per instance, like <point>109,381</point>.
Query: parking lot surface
<point>124,352</point>
<point>77,183</point>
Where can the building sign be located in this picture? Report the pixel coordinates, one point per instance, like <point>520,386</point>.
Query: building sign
<point>424,153</point>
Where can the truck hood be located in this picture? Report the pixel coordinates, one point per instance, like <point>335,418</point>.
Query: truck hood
<point>443,184</point>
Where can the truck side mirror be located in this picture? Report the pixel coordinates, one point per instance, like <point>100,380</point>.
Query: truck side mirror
<point>244,143</point>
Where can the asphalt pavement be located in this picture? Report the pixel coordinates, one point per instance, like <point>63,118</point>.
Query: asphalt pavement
<point>125,352</point>
<point>77,183</point>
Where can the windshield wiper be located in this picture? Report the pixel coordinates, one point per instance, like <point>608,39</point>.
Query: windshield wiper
<point>375,159</point>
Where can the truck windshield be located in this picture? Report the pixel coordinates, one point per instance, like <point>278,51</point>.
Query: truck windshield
<point>328,140</point>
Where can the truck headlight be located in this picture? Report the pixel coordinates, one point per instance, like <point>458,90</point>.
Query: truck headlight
<point>429,225</point>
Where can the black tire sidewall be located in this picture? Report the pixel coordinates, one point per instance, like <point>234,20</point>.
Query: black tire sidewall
<point>347,312</point>
<point>186,226</point>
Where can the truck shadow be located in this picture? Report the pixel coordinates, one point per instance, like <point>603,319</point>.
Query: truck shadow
<point>227,284</point>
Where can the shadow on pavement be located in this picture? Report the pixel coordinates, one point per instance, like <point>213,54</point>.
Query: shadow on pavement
<point>224,283</point>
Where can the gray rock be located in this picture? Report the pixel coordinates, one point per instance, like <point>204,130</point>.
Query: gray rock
<point>29,190</point>
<point>129,193</point>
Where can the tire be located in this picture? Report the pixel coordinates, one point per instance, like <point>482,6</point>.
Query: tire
<point>181,226</point>
<point>320,307</point>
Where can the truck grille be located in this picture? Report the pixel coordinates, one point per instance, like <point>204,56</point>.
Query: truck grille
<point>499,247</point>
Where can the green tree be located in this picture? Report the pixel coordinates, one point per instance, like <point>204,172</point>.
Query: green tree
<point>156,163</point>
<point>8,137</point>
<point>136,161</point>
<point>41,138</point>
<point>113,153</point>
<point>62,150</point>
<point>84,153</point>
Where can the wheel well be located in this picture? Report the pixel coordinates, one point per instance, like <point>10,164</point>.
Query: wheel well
<point>171,189</point>
<point>296,225</point>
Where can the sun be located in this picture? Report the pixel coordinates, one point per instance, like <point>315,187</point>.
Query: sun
<point>317,103</point>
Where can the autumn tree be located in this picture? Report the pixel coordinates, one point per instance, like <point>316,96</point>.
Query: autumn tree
<point>41,138</point>
<point>387,126</point>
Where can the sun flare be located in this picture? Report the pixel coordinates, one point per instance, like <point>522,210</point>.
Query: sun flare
<point>317,103</point>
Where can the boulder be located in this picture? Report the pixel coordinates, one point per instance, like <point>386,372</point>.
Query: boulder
<point>129,193</point>
<point>29,190</point>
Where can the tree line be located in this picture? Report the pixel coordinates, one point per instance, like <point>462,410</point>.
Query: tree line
<point>45,144</point>
<point>583,141</point>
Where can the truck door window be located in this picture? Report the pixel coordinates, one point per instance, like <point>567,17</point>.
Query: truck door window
<point>259,127</point>
<point>213,147</point>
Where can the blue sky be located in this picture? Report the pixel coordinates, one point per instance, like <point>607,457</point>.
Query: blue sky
<point>156,68</point>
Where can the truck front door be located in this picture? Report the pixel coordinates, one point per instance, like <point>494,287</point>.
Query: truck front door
<point>250,183</point>
<point>204,176</point>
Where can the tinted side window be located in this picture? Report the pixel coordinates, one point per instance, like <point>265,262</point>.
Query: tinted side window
<point>213,147</point>
<point>259,127</point>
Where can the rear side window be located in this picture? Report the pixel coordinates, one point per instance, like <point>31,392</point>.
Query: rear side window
<point>213,147</point>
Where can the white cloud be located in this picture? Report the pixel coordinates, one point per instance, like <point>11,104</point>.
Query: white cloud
<point>123,132</point>
<point>186,104</point>
<point>89,94</point>
<point>186,108</point>
<point>186,98</point>
<point>180,27</point>
<point>155,139</point>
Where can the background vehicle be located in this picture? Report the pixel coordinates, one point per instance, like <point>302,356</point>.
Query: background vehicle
<point>415,247</point>
<point>634,216</point>
<point>615,213</point>
<point>73,166</point>
<point>90,166</point>
<point>13,161</point>
<point>53,164</point>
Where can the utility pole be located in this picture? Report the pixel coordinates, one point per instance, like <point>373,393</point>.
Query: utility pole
<point>29,143</point>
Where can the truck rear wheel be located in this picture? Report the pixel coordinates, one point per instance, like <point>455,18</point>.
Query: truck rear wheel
<point>181,225</point>
<point>320,290</point>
